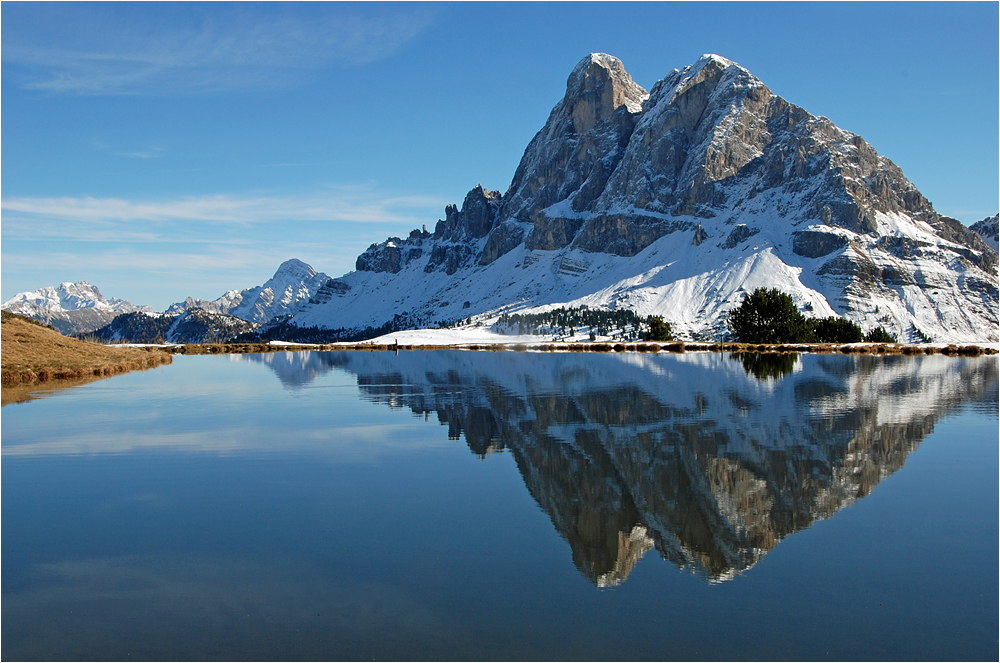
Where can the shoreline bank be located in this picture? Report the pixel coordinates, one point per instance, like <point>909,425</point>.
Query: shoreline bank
<point>675,347</point>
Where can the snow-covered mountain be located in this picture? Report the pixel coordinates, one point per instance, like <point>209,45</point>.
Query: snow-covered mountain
<point>675,202</point>
<point>70,308</point>
<point>712,475</point>
<point>80,308</point>
<point>988,230</point>
<point>292,285</point>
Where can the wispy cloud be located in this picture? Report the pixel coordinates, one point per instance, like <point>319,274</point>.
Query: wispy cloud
<point>25,218</point>
<point>239,48</point>
<point>147,152</point>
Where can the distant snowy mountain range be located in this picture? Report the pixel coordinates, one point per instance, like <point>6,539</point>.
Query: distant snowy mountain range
<point>671,202</point>
<point>294,283</point>
<point>79,308</point>
<point>71,307</point>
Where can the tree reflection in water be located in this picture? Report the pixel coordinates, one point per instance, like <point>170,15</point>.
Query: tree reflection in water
<point>680,453</point>
<point>766,365</point>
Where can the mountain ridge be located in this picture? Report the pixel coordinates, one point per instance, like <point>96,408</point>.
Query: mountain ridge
<point>293,283</point>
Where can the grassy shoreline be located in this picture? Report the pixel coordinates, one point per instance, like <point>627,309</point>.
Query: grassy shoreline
<point>33,354</point>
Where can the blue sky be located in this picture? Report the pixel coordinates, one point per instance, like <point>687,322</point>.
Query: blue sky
<point>169,150</point>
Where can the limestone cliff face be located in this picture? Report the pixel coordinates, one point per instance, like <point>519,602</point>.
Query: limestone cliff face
<point>710,158</point>
<point>571,159</point>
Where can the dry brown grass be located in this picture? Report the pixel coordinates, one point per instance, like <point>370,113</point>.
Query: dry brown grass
<point>32,353</point>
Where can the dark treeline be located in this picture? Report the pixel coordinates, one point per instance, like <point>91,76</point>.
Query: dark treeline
<point>135,327</point>
<point>284,330</point>
<point>569,321</point>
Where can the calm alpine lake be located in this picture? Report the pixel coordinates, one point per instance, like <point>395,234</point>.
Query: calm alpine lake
<point>478,505</point>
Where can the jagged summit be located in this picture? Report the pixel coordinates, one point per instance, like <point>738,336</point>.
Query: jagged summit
<point>604,76</point>
<point>988,230</point>
<point>718,59</point>
<point>675,203</point>
<point>576,151</point>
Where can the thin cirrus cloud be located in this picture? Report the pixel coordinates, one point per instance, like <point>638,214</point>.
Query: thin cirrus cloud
<point>93,218</point>
<point>250,51</point>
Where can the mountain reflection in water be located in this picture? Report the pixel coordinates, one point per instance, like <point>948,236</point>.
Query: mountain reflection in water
<point>709,459</point>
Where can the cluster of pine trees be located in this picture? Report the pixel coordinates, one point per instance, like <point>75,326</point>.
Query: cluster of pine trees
<point>770,316</point>
<point>568,321</point>
<point>135,327</point>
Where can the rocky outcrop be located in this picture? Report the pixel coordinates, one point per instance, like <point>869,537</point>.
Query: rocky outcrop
<point>816,244</point>
<point>988,230</point>
<point>329,290</point>
<point>449,248</point>
<point>504,239</point>
<point>625,235</point>
<point>449,258</point>
<point>571,159</point>
<point>385,257</point>
<point>738,235</point>
<point>474,220</point>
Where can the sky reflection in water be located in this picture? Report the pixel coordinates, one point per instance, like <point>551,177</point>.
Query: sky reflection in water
<point>207,510</point>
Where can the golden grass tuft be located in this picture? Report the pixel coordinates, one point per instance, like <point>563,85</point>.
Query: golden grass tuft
<point>31,353</point>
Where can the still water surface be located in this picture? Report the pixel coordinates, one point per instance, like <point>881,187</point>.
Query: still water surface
<point>459,505</point>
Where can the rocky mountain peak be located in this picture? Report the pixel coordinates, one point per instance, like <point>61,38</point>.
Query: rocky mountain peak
<point>293,270</point>
<point>570,160</point>
<point>70,308</point>
<point>293,285</point>
<point>717,60</point>
<point>599,86</point>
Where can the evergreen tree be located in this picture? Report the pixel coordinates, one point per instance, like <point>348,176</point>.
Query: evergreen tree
<point>658,329</point>
<point>769,316</point>
<point>880,335</point>
<point>837,330</point>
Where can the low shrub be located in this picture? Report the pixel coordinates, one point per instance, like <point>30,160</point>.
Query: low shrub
<point>837,330</point>
<point>880,335</point>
